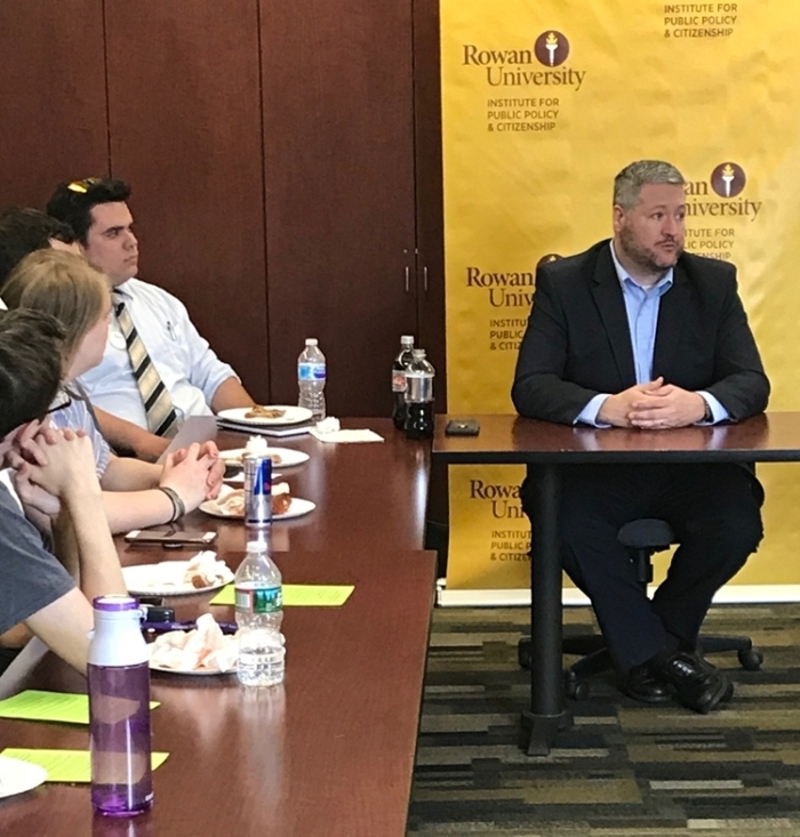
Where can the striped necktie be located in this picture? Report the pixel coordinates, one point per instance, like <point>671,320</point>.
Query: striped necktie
<point>161,417</point>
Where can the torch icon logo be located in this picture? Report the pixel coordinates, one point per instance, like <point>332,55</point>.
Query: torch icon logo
<point>551,48</point>
<point>728,179</point>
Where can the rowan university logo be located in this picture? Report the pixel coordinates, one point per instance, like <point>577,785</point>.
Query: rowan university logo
<point>728,180</point>
<point>551,48</point>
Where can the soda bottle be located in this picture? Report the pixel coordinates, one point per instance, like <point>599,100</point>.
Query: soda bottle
<point>311,376</point>
<point>401,363</point>
<point>259,613</point>
<point>119,709</point>
<point>419,397</point>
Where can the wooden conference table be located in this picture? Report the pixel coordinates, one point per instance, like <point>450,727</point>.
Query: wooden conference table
<point>511,440</point>
<point>331,752</point>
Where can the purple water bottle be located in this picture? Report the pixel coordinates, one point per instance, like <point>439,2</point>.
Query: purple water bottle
<point>119,709</point>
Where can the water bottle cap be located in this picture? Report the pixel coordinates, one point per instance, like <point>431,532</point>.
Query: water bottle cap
<point>311,341</point>
<point>407,340</point>
<point>256,546</point>
<point>419,354</point>
<point>115,603</point>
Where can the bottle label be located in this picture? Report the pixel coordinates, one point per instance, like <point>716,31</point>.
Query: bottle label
<point>310,371</point>
<point>399,383</point>
<point>259,600</point>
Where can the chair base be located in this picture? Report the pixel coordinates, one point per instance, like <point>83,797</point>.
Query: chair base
<point>595,657</point>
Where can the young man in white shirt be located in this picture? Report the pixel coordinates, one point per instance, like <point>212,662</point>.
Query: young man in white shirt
<point>197,381</point>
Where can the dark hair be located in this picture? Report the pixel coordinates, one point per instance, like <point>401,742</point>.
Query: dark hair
<point>30,366</point>
<point>72,202</point>
<point>24,230</point>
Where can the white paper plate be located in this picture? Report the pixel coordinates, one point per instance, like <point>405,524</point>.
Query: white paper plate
<point>17,776</point>
<point>297,508</point>
<point>291,415</point>
<point>201,672</point>
<point>164,579</point>
<point>288,457</point>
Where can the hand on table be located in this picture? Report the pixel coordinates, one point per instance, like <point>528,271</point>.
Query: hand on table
<point>216,470</point>
<point>616,410</point>
<point>665,407</point>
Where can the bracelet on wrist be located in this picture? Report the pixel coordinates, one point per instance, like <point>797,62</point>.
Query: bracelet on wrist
<point>178,506</point>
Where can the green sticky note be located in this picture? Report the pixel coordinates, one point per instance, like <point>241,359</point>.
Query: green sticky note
<point>66,765</point>
<point>62,707</point>
<point>299,595</point>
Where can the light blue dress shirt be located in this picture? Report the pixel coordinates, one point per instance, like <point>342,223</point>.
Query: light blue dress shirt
<point>641,306</point>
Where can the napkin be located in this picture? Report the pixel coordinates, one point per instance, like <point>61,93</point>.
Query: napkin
<point>328,430</point>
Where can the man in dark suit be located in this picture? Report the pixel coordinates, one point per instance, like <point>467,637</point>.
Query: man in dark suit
<point>636,333</point>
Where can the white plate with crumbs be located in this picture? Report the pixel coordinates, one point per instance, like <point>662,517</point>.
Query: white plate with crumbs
<point>271,414</point>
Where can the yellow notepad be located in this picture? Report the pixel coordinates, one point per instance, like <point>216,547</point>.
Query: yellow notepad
<point>65,765</point>
<point>61,707</point>
<point>299,595</point>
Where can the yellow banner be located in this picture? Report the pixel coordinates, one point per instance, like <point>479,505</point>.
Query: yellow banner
<point>542,104</point>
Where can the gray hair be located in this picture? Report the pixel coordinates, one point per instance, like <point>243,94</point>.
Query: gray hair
<point>628,183</point>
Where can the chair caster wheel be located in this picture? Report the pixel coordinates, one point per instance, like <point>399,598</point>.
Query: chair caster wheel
<point>574,688</point>
<point>751,659</point>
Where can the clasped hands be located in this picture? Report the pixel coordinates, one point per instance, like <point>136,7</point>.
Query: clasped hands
<point>49,462</point>
<point>653,406</point>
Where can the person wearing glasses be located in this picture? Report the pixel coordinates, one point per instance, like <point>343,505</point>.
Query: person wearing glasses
<point>135,494</point>
<point>37,590</point>
<point>150,327</point>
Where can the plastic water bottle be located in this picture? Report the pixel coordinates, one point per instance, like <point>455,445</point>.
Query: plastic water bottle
<point>399,386</point>
<point>419,397</point>
<point>119,709</point>
<point>259,613</point>
<point>311,375</point>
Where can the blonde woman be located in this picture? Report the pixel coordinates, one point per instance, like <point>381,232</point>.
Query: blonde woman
<point>135,494</point>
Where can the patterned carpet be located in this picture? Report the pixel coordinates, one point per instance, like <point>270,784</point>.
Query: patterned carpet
<point>622,769</point>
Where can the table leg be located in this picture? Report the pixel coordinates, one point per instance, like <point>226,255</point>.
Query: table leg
<point>547,715</point>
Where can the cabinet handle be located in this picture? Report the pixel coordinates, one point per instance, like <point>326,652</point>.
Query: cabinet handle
<point>425,278</point>
<point>407,278</point>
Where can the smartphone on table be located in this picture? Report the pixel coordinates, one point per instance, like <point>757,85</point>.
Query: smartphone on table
<point>462,427</point>
<point>171,537</point>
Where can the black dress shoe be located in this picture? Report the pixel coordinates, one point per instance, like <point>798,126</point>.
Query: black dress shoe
<point>641,685</point>
<point>728,693</point>
<point>695,684</point>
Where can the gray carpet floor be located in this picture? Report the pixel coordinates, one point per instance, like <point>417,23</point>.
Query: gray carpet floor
<point>622,768</point>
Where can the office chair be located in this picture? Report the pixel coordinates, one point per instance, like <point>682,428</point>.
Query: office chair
<point>642,538</point>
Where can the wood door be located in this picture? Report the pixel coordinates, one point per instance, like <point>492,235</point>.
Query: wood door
<point>429,208</point>
<point>185,131</point>
<point>339,172</point>
<point>53,97</point>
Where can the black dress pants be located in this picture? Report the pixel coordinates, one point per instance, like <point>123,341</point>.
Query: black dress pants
<point>714,511</point>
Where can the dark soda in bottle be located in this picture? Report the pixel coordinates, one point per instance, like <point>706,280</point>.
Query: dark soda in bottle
<point>399,386</point>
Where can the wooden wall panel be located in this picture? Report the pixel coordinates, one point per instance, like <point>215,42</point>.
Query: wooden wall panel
<point>185,131</point>
<point>52,98</point>
<point>430,209</point>
<point>338,148</point>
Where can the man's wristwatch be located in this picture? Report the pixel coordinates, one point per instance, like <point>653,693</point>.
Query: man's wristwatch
<point>707,415</point>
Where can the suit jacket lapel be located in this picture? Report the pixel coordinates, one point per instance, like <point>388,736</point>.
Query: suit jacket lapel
<point>671,317</point>
<point>608,298</point>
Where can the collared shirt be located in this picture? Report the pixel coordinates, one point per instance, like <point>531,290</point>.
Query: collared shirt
<point>78,417</point>
<point>188,367</point>
<point>642,306</point>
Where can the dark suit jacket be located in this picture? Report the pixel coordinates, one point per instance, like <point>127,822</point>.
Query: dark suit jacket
<point>577,343</point>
